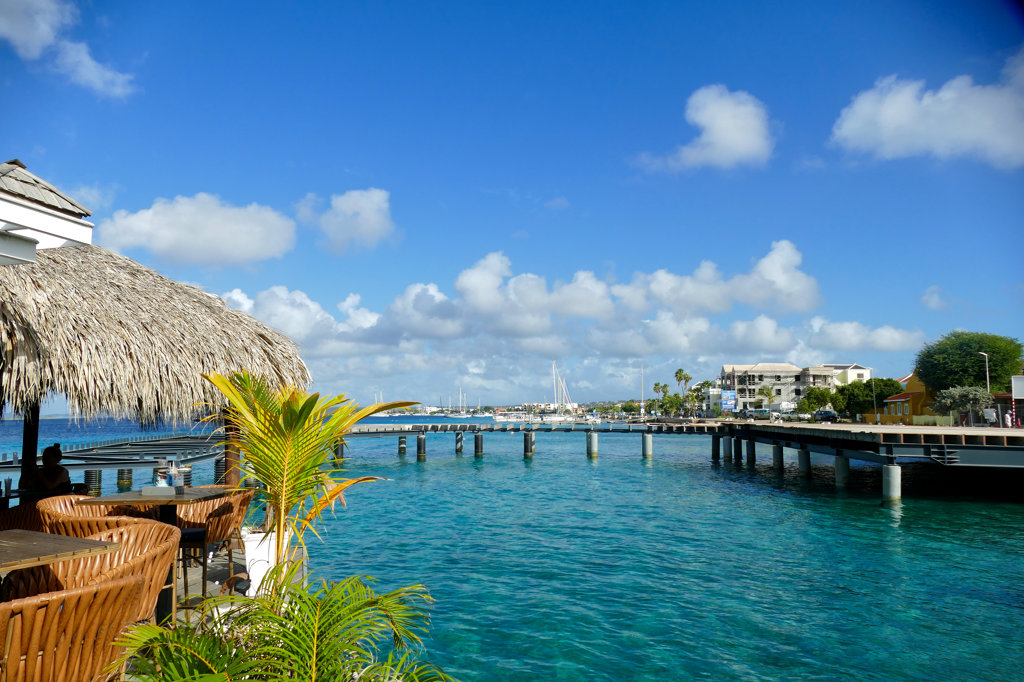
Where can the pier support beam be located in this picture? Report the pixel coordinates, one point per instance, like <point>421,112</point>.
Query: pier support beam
<point>891,483</point>
<point>421,447</point>
<point>777,460</point>
<point>716,447</point>
<point>591,444</point>
<point>647,449</point>
<point>529,441</point>
<point>124,480</point>
<point>737,450</point>
<point>401,445</point>
<point>94,481</point>
<point>805,462</point>
<point>727,447</point>
<point>842,470</point>
<point>478,445</point>
<point>751,453</point>
<point>458,442</point>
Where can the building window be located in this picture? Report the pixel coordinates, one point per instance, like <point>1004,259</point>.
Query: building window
<point>796,392</point>
<point>778,391</point>
<point>860,375</point>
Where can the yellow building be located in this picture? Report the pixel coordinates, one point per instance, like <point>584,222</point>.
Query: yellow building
<point>908,407</point>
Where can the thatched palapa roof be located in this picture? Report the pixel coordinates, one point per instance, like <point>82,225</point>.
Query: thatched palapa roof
<point>117,338</point>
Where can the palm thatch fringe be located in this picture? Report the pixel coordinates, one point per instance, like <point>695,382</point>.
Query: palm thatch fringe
<point>117,338</point>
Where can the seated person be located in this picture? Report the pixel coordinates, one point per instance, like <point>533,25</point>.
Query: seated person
<point>50,479</point>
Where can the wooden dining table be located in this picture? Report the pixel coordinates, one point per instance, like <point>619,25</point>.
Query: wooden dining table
<point>168,499</point>
<point>27,548</point>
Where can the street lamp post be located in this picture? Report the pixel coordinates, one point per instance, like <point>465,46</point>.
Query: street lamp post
<point>988,385</point>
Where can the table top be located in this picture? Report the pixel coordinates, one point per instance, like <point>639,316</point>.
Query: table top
<point>136,497</point>
<point>25,548</point>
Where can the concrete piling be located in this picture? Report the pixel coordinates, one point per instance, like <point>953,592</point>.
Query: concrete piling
<point>842,470</point>
<point>124,480</point>
<point>220,468</point>
<point>647,449</point>
<point>93,481</point>
<point>716,447</point>
<point>421,447</point>
<point>529,443</point>
<point>737,450</point>
<point>751,453</point>
<point>777,460</point>
<point>458,442</point>
<point>478,445</point>
<point>401,445</point>
<point>727,446</point>
<point>591,444</point>
<point>805,462</point>
<point>891,483</point>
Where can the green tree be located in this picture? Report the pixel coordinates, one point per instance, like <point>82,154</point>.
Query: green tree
<point>630,407</point>
<point>683,378</point>
<point>959,399</point>
<point>672,404</point>
<point>956,360</point>
<point>766,393</point>
<point>816,398</point>
<point>858,394</point>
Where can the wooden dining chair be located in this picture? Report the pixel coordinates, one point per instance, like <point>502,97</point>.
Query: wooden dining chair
<point>240,501</point>
<point>63,516</point>
<point>68,634</point>
<point>147,548</point>
<point>25,515</point>
<point>203,524</point>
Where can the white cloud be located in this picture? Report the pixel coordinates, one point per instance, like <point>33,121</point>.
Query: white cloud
<point>899,119</point>
<point>734,132</point>
<point>499,329</point>
<point>359,217</point>
<point>94,197</point>
<point>557,204</point>
<point>34,29</point>
<point>858,336</point>
<point>201,230</point>
<point>777,279</point>
<point>762,334</point>
<point>75,61</point>
<point>932,298</point>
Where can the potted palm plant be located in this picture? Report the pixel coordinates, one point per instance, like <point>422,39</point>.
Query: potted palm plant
<point>288,440</point>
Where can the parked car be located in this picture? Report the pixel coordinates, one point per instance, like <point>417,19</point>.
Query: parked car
<point>826,416</point>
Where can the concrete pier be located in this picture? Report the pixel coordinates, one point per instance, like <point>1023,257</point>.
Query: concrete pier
<point>716,448</point>
<point>401,445</point>
<point>842,470</point>
<point>805,462</point>
<point>647,448</point>
<point>751,453</point>
<point>777,460</point>
<point>892,482</point>
<point>421,447</point>
<point>458,442</point>
<point>529,443</point>
<point>591,444</point>
<point>124,480</point>
<point>478,445</point>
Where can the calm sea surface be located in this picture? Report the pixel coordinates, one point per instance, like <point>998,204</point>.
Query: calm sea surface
<point>562,568</point>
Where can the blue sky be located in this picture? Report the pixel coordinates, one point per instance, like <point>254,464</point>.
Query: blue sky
<point>433,196</point>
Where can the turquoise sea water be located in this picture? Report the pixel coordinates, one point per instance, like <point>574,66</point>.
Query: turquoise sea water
<point>561,568</point>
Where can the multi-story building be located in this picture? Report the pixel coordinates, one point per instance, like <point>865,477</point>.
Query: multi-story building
<point>787,382</point>
<point>848,373</point>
